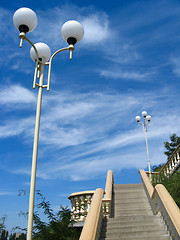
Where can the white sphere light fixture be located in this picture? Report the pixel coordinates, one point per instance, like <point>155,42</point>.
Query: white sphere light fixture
<point>25,20</point>
<point>44,52</point>
<point>148,118</point>
<point>138,118</point>
<point>144,113</point>
<point>72,31</point>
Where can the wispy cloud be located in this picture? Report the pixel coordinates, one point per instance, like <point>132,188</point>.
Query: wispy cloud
<point>16,94</point>
<point>176,65</point>
<point>7,193</point>
<point>95,30</point>
<point>126,75</point>
<point>77,128</point>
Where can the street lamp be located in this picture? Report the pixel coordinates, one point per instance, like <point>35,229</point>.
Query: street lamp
<point>147,118</point>
<point>25,20</point>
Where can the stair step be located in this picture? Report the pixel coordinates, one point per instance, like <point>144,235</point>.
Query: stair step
<point>130,205</point>
<point>136,185</point>
<point>133,216</point>
<point>129,195</point>
<point>134,221</point>
<point>124,191</point>
<point>145,233</point>
<point>132,228</point>
<point>130,200</point>
<point>134,212</point>
<point>127,219</point>
<point>163,237</point>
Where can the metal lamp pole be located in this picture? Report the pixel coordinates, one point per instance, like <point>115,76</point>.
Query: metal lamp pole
<point>147,118</point>
<point>25,20</point>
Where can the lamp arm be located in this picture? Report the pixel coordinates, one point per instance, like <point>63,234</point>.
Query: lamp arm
<point>70,48</point>
<point>22,36</point>
<point>141,123</point>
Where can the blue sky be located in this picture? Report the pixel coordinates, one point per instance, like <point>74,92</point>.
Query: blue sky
<point>128,61</point>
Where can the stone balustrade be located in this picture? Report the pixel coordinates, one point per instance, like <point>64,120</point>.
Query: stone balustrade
<point>80,203</point>
<point>171,166</point>
<point>106,206</point>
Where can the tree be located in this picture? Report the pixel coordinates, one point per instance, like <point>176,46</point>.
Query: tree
<point>21,237</point>
<point>3,232</point>
<point>171,146</point>
<point>172,184</point>
<point>4,235</point>
<point>157,168</point>
<point>58,226</point>
<point>12,236</point>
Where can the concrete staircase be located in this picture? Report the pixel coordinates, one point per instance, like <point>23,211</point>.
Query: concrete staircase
<point>132,217</point>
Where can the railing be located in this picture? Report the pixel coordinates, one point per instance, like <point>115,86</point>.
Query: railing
<point>92,225</point>
<point>162,202</point>
<point>100,208</point>
<point>170,167</point>
<point>108,194</point>
<point>80,203</point>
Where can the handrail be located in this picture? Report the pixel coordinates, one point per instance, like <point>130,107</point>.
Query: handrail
<point>168,208</point>
<point>92,225</point>
<point>108,194</point>
<point>146,182</point>
<point>172,163</point>
<point>109,184</point>
<point>161,201</point>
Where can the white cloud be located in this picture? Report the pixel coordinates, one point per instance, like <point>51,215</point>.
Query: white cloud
<point>78,128</point>
<point>7,193</point>
<point>176,65</point>
<point>15,127</point>
<point>16,94</point>
<point>96,30</point>
<point>116,74</point>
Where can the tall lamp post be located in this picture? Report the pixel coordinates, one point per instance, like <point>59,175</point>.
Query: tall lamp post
<point>147,118</point>
<point>25,20</point>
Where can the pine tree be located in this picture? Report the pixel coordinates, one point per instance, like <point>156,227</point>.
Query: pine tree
<point>171,146</point>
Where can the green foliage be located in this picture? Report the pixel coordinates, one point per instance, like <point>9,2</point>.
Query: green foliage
<point>171,146</point>
<point>4,235</point>
<point>3,232</point>
<point>157,168</point>
<point>172,184</point>
<point>58,226</point>
<point>12,237</point>
<point>21,237</point>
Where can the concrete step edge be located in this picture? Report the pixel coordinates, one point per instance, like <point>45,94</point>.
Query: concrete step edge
<point>135,233</point>
<point>134,228</point>
<point>135,218</point>
<point>163,237</point>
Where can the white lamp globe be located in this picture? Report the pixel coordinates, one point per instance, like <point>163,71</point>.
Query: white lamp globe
<point>148,118</point>
<point>44,52</point>
<point>138,118</point>
<point>144,113</point>
<point>72,31</point>
<point>25,20</point>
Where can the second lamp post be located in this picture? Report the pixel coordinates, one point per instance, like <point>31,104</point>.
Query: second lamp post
<point>147,118</point>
